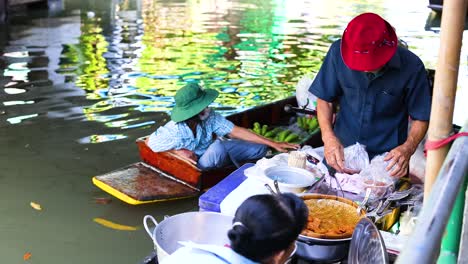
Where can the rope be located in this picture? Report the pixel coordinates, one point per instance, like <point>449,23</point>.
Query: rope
<point>432,145</point>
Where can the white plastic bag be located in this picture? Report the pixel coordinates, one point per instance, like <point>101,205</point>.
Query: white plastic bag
<point>356,157</point>
<point>303,96</point>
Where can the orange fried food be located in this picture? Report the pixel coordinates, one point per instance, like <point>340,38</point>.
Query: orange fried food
<point>330,219</point>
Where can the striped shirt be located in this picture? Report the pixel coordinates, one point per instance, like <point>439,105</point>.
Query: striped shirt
<point>179,136</point>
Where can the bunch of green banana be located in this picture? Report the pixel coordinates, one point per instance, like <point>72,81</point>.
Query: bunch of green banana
<point>259,129</point>
<point>277,133</point>
<point>307,124</point>
<point>287,136</point>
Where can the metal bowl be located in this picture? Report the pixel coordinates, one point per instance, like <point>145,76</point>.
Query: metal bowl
<point>199,227</point>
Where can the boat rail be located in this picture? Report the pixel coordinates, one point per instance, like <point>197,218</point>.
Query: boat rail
<point>423,246</point>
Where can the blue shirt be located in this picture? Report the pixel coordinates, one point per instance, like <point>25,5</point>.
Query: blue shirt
<point>374,109</point>
<point>179,136</point>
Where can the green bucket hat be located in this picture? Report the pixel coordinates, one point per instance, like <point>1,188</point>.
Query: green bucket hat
<point>190,100</point>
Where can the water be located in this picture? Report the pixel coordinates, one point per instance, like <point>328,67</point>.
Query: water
<point>82,82</point>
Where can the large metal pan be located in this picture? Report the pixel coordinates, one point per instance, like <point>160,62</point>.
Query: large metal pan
<point>324,250</point>
<point>199,227</point>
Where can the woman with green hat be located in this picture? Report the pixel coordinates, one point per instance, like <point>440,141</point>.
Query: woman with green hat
<point>190,133</point>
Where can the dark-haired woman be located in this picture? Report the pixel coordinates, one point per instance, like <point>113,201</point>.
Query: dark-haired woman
<point>264,230</point>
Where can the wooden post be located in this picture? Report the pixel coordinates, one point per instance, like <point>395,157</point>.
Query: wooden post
<point>445,84</point>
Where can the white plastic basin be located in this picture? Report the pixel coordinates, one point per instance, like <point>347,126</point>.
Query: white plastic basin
<point>290,179</point>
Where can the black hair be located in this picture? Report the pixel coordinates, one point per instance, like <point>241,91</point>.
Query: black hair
<point>269,224</point>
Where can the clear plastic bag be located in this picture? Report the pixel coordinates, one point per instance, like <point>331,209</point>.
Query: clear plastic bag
<point>356,157</point>
<point>377,178</point>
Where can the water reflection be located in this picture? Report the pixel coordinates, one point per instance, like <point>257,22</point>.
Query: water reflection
<point>138,53</point>
<point>78,85</point>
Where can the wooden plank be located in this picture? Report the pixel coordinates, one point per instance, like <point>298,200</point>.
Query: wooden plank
<point>138,183</point>
<point>171,164</point>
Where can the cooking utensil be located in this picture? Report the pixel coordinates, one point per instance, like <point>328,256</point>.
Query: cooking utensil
<point>167,234</point>
<point>332,172</point>
<point>367,245</point>
<point>312,188</point>
<point>394,196</point>
<point>290,179</point>
<point>270,189</point>
<point>323,250</point>
<point>364,202</point>
<point>275,182</point>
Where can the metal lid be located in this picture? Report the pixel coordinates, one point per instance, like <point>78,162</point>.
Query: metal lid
<point>367,245</point>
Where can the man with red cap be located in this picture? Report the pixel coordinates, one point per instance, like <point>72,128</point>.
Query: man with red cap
<point>377,85</point>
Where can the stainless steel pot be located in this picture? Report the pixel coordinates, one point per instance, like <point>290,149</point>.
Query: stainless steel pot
<point>199,227</point>
<point>322,250</point>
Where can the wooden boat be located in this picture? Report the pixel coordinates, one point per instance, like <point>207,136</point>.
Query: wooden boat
<point>162,176</point>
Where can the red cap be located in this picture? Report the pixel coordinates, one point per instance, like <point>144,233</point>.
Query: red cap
<point>368,43</point>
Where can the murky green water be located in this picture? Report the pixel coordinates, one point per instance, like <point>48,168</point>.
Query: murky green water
<point>78,87</point>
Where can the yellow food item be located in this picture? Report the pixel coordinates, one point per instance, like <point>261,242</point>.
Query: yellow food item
<point>35,206</point>
<point>113,225</point>
<point>330,219</point>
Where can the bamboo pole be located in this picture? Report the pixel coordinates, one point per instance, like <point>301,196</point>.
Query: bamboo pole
<point>424,243</point>
<point>445,84</point>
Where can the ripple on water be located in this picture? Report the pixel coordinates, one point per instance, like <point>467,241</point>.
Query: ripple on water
<point>137,58</point>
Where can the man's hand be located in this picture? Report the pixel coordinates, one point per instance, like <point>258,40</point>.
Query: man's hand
<point>284,146</point>
<point>187,154</point>
<point>399,160</point>
<point>334,153</point>
<point>399,157</point>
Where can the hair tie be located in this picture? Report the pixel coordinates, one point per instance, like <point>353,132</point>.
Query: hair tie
<point>238,224</point>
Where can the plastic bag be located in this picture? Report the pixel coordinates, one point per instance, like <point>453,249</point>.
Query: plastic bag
<point>356,157</point>
<point>377,178</point>
<point>303,96</point>
<point>417,164</point>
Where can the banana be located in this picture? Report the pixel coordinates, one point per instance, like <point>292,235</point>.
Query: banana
<point>291,137</point>
<point>113,225</point>
<point>256,128</point>
<point>270,134</point>
<point>313,124</point>
<point>283,134</point>
<point>300,122</point>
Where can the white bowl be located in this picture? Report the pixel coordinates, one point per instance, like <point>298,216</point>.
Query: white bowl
<point>290,179</point>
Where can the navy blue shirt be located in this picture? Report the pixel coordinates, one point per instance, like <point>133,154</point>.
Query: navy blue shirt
<point>374,109</point>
